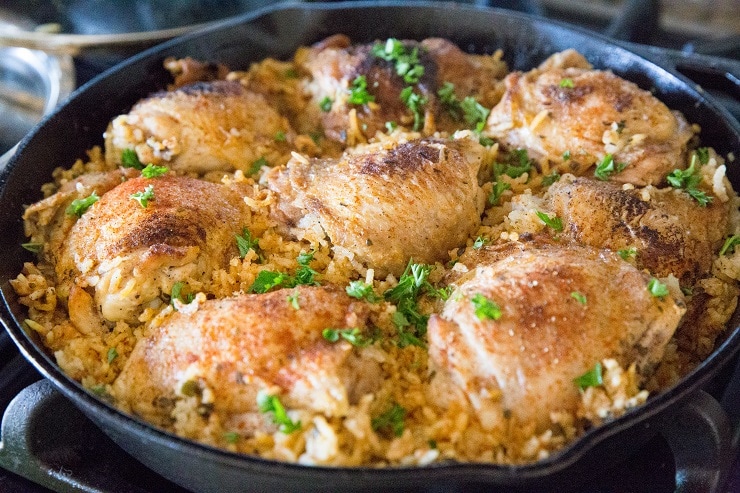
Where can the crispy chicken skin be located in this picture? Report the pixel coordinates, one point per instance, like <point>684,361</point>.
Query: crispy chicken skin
<point>545,337</point>
<point>334,63</point>
<point>237,346</point>
<point>563,106</point>
<point>387,205</point>
<point>204,126</point>
<point>671,232</point>
<point>128,255</point>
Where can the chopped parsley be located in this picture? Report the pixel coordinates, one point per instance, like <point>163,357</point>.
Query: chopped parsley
<point>257,165</point>
<point>702,153</point>
<point>608,167</point>
<point>305,274</point>
<point>579,297</point>
<point>291,73</point>
<point>33,246</point>
<point>592,378</point>
<point>245,242</point>
<point>548,180</point>
<point>688,180</point>
<point>271,404</point>
<point>486,141</point>
<point>448,100</point>
<point>358,91</point>
<point>566,156</point>
<point>144,197</point>
<point>627,253</point>
<point>479,242</point>
<point>129,159</point>
<point>657,288</point>
<point>391,126</point>
<point>415,102</point>
<point>280,136</point>
<point>325,104</point>
<point>112,355</point>
<point>153,171</point>
<point>498,189</point>
<point>730,244</point>
<point>392,420</point>
<point>406,61</point>
<point>354,336</point>
<point>620,126</point>
<point>516,164</point>
<point>79,206</point>
<point>485,309</point>
<point>231,437</point>
<point>554,222</point>
<point>293,300</point>
<point>362,291</point>
<point>468,109</point>
<point>190,388</point>
<point>177,294</point>
<point>567,83</point>
<point>267,280</point>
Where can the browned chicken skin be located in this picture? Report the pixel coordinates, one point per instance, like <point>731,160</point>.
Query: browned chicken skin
<point>387,205</point>
<point>335,63</point>
<point>238,346</point>
<point>671,232</point>
<point>131,254</point>
<point>205,126</point>
<point>545,337</point>
<point>563,107</point>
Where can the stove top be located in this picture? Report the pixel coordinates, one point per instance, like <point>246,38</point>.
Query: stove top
<point>45,438</point>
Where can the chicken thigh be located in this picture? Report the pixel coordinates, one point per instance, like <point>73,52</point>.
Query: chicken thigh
<point>562,310</point>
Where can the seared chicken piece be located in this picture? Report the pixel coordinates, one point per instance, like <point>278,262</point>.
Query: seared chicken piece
<point>206,126</point>
<point>563,309</point>
<point>563,109</point>
<point>670,232</point>
<point>335,63</point>
<point>128,255</point>
<point>237,346</point>
<point>387,205</point>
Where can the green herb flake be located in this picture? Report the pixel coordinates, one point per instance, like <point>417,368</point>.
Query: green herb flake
<point>608,167</point>
<point>362,291</point>
<point>291,73</point>
<point>326,104</point>
<point>358,92</point>
<point>144,197</point>
<point>267,280</point>
<point>548,180</point>
<point>432,444</point>
<point>579,297</point>
<point>567,83</point>
<point>293,300</point>
<point>688,180</point>
<point>153,171</point>
<point>516,164</point>
<point>406,61</point>
<point>177,294</point>
<point>566,156</point>
<point>554,222</point>
<point>702,153</point>
<point>231,437</point>
<point>415,102</point>
<point>305,274</point>
<point>498,189</point>
<point>486,141</point>
<point>627,253</point>
<point>129,159</point>
<point>280,136</point>
<point>479,242</point>
<point>392,419</point>
<point>33,246</point>
<point>257,165</point>
<point>592,378</point>
<point>112,355</point>
<point>657,288</point>
<point>391,126</point>
<point>79,206</point>
<point>485,309</point>
<point>730,244</point>
<point>474,113</point>
<point>271,404</point>
<point>190,388</point>
<point>245,242</point>
<point>354,336</point>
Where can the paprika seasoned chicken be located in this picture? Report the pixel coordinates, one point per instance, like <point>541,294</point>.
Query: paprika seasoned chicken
<point>527,320</point>
<point>362,85</point>
<point>386,205</point>
<point>664,231</point>
<point>123,253</point>
<point>573,117</point>
<point>235,347</point>
<point>205,126</point>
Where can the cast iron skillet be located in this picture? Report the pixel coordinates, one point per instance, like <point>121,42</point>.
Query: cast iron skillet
<point>277,32</point>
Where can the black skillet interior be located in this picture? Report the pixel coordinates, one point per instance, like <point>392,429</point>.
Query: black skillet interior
<point>276,32</point>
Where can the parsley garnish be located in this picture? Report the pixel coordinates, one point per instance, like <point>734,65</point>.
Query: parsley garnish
<point>79,206</point>
<point>479,242</point>
<point>358,91</point>
<point>280,136</point>
<point>730,244</point>
<point>608,167</point>
<point>486,141</point>
<point>498,189</point>
<point>657,288</point>
<point>392,419</point>
<point>362,290</point>
<point>153,171</point>
<point>469,109</point>
<point>553,222</point>
<point>325,104</point>
<point>33,246</point>
<point>144,197</point>
<point>415,103</point>
<point>271,404</point>
<point>257,165</point>
<point>129,159</point>
<point>566,83</point>
<point>627,253</point>
<point>231,437</point>
<point>266,280</point>
<point>391,126</point>
<point>703,154</point>
<point>177,294</point>
<point>406,62</point>
<point>516,165</point>
<point>688,180</point>
<point>112,355</point>
<point>354,336</point>
<point>291,73</point>
<point>293,300</point>
<point>245,242</point>
<point>485,309</point>
<point>579,297</point>
<point>566,156</point>
<point>592,378</point>
<point>305,274</point>
<point>548,180</point>
<point>447,98</point>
